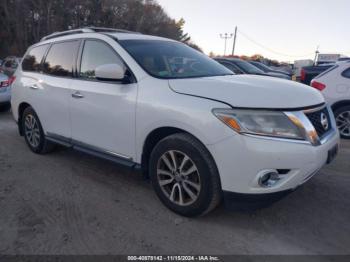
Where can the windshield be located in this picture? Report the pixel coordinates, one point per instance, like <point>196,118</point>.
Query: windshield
<point>248,68</point>
<point>171,60</point>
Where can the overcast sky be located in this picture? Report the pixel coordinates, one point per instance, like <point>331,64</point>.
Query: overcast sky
<point>285,27</point>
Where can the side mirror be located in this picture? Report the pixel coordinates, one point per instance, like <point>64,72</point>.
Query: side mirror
<point>111,72</point>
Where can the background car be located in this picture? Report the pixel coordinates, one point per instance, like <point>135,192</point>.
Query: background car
<point>5,92</point>
<point>269,70</point>
<point>239,66</point>
<point>10,65</point>
<point>335,87</point>
<point>308,73</point>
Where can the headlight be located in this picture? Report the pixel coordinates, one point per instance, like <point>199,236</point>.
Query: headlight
<point>260,122</point>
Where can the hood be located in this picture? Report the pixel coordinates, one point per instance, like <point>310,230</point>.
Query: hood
<point>250,91</point>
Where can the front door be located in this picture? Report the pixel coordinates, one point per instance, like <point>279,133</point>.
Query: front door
<point>102,112</point>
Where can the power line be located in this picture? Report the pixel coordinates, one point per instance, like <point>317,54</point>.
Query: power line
<point>269,49</point>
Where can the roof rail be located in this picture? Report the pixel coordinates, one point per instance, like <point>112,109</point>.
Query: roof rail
<point>106,29</point>
<point>90,29</point>
<point>69,32</point>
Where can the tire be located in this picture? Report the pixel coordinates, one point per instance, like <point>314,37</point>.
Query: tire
<point>34,134</point>
<point>204,183</point>
<point>342,116</point>
<point>5,107</point>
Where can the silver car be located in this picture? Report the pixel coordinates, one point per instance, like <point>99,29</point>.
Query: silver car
<point>5,92</point>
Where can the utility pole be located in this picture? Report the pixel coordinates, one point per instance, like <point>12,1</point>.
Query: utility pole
<point>225,36</point>
<point>316,54</point>
<point>234,42</point>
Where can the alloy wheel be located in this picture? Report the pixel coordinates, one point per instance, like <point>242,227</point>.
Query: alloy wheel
<point>178,178</point>
<point>32,131</point>
<point>343,123</point>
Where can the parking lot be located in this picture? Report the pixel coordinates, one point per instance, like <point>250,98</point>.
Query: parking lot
<point>70,203</point>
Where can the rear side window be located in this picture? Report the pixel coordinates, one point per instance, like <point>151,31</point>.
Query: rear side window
<point>32,61</point>
<point>95,54</point>
<point>346,73</point>
<point>61,58</point>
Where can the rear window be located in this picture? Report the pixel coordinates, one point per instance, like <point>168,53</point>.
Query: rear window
<point>60,59</point>
<point>32,61</point>
<point>8,63</point>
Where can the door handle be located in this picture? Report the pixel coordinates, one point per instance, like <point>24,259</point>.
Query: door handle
<point>34,87</point>
<point>77,95</point>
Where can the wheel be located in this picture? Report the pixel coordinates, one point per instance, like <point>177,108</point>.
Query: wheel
<point>184,175</point>
<point>5,107</point>
<point>342,117</point>
<point>34,134</point>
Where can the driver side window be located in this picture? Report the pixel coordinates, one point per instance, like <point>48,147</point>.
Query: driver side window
<point>95,54</point>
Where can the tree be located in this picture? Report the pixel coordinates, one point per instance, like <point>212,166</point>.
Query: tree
<point>257,57</point>
<point>24,22</point>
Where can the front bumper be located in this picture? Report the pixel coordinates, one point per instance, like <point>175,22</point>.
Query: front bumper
<point>241,159</point>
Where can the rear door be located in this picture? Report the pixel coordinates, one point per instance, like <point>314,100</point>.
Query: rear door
<point>52,89</point>
<point>102,112</point>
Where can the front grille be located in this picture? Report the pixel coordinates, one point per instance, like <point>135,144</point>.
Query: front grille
<point>321,121</point>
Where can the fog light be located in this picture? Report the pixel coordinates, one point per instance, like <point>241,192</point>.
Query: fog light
<point>269,179</point>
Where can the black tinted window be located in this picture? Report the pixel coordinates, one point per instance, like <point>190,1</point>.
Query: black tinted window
<point>8,63</point>
<point>346,73</point>
<point>95,54</point>
<point>32,60</point>
<point>60,59</point>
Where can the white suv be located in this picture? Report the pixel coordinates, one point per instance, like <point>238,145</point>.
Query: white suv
<point>335,87</point>
<point>199,132</point>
